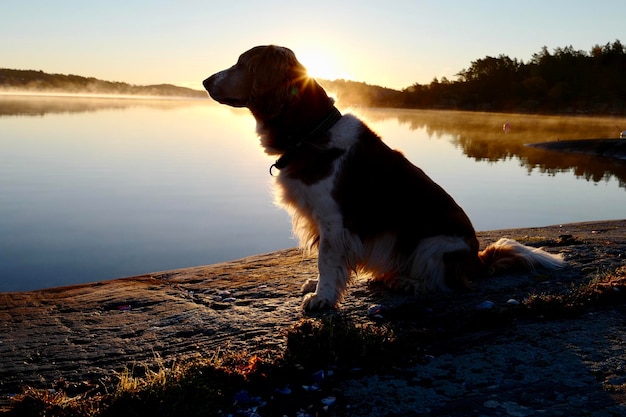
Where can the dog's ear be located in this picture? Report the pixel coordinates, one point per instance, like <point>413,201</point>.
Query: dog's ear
<point>277,80</point>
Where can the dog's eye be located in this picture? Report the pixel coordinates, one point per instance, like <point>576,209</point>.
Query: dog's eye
<point>242,66</point>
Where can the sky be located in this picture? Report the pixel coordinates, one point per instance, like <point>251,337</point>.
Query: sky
<point>389,43</point>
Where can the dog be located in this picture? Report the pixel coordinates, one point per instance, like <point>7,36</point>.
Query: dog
<point>363,206</point>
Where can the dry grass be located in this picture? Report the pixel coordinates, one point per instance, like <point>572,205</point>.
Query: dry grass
<point>334,341</point>
<point>199,387</point>
<point>207,386</point>
<point>605,289</point>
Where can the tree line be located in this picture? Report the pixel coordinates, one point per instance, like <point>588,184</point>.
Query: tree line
<point>562,81</point>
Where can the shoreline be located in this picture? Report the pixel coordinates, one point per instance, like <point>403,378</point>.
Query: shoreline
<point>90,332</point>
<point>173,271</point>
<point>607,148</point>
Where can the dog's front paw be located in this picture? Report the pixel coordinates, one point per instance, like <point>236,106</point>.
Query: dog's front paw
<point>315,302</point>
<point>309,286</point>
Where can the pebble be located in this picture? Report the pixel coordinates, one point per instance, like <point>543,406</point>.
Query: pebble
<point>328,401</point>
<point>318,377</point>
<point>283,391</point>
<point>513,302</point>
<point>376,311</point>
<point>244,398</point>
<point>486,305</point>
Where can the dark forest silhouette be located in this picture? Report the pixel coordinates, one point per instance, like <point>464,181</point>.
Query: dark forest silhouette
<point>564,81</point>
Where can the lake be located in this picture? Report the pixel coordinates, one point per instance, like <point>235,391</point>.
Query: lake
<point>100,188</point>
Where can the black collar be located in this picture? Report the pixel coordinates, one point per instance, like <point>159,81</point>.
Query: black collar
<point>329,121</point>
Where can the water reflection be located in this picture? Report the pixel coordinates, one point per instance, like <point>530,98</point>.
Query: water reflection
<point>94,188</point>
<point>40,105</point>
<point>481,137</point>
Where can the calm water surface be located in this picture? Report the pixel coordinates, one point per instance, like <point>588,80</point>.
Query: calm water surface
<point>93,189</point>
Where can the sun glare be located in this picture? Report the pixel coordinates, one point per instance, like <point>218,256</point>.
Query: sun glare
<point>321,65</point>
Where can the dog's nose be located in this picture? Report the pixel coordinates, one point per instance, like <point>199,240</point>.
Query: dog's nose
<point>207,83</point>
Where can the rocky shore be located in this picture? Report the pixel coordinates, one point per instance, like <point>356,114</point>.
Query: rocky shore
<point>542,365</point>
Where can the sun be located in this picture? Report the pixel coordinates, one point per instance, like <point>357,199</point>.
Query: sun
<point>321,65</point>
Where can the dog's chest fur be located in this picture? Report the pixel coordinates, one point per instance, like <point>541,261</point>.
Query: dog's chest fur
<point>307,187</point>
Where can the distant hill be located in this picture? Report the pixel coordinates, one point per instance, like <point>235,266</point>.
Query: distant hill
<point>41,82</point>
<point>348,92</point>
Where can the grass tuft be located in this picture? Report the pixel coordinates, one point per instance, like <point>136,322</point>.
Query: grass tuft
<point>605,289</point>
<point>335,341</point>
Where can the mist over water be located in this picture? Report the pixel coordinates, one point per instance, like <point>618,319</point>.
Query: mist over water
<point>94,189</point>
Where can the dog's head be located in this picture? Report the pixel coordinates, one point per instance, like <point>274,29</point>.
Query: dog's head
<point>264,79</point>
<point>271,82</point>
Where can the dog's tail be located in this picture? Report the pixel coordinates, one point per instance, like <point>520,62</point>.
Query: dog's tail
<point>507,254</point>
